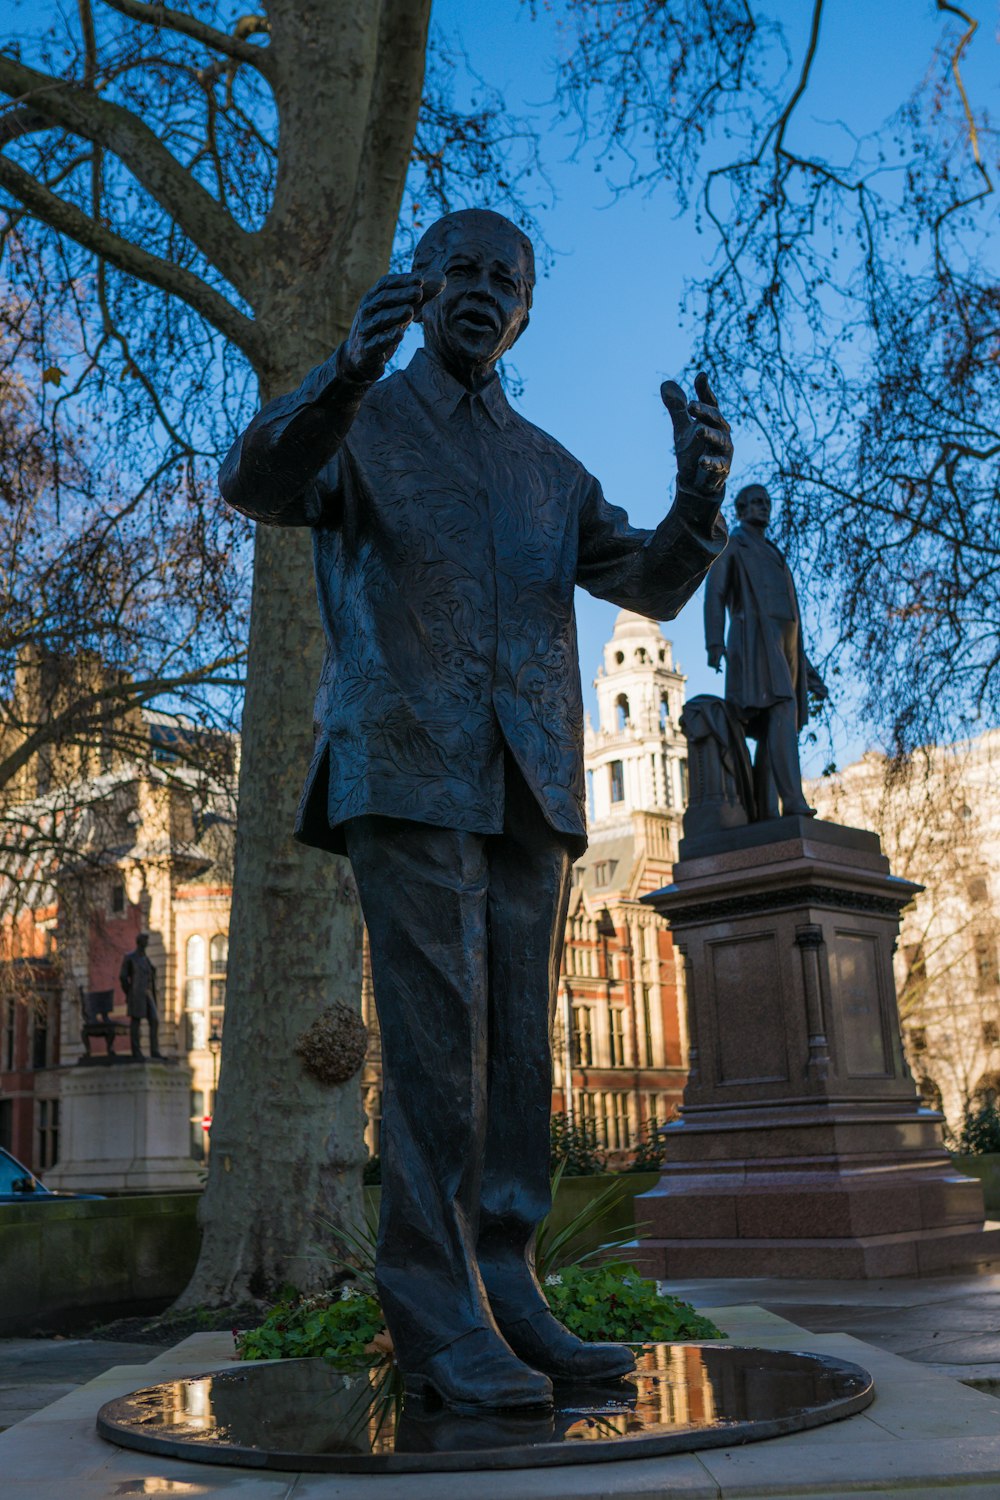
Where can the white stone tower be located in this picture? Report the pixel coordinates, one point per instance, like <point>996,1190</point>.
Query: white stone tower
<point>636,758</point>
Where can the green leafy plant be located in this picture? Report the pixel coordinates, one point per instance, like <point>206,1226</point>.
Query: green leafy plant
<point>648,1152</point>
<point>611,1303</point>
<point>979,1132</point>
<point>579,1240</point>
<point>342,1327</point>
<point>573,1146</point>
<point>600,1301</point>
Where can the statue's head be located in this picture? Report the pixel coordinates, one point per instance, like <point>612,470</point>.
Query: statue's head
<point>142,941</point>
<point>753,506</point>
<point>488,266</point>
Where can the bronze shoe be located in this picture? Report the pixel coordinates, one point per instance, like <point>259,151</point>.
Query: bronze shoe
<point>544,1344</point>
<point>478,1372</point>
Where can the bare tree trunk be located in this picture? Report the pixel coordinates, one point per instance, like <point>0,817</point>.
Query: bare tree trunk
<point>286,1150</point>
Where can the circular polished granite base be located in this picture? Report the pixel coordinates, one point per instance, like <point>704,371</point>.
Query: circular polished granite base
<point>301,1414</point>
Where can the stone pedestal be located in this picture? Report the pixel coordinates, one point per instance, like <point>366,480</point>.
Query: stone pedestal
<point>802,1149</point>
<point>125,1127</point>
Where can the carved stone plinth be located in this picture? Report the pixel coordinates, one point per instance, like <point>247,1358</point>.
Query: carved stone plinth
<point>125,1129</point>
<point>802,1149</point>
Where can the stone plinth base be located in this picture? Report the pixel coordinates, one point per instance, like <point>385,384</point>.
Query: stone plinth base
<point>125,1129</point>
<point>802,1148</point>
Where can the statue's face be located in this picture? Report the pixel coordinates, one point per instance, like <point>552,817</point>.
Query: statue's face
<point>142,941</point>
<point>756,507</point>
<point>484,306</point>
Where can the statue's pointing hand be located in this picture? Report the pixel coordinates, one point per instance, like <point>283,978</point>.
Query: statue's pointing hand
<point>383,316</point>
<point>702,442</point>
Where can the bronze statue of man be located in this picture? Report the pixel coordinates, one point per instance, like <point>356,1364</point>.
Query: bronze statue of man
<point>138,979</point>
<point>769,678</point>
<point>449,534</point>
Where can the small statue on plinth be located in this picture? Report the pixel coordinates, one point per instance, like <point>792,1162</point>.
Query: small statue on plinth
<point>769,677</point>
<point>138,979</point>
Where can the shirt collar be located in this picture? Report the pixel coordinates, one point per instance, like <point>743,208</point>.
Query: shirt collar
<point>443,392</point>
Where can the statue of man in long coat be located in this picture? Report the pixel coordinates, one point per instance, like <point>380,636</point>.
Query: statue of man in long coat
<point>769,677</point>
<point>138,979</point>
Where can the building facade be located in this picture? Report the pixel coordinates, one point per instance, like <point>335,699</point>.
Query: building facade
<point>939,822</point>
<point>130,847</point>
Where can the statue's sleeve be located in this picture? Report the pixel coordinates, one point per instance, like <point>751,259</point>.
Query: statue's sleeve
<point>282,470</point>
<point>125,974</point>
<point>652,572</point>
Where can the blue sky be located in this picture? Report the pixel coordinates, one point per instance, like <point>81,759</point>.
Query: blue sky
<point>605,328</point>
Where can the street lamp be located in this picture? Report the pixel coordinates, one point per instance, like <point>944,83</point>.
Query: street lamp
<point>215,1047</point>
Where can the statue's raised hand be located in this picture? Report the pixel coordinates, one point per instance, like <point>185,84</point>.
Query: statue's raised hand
<point>702,442</point>
<point>383,316</point>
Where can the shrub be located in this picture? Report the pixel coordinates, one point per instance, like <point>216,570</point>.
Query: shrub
<point>648,1153</point>
<point>573,1147</point>
<point>602,1303</point>
<point>612,1303</point>
<point>340,1327</point>
<point>979,1131</point>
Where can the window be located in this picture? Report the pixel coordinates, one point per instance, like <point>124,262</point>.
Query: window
<point>590,794</point>
<point>7,1124</point>
<point>48,1133</point>
<point>668,784</point>
<point>199,1135</point>
<point>196,1021</point>
<point>684,780</point>
<point>40,1036</point>
<point>118,899</point>
<point>616,1034</point>
<point>917,1037</point>
<point>986,961</point>
<point>9,1035</point>
<point>621,712</point>
<point>373,1109</point>
<point>618,1130</point>
<point>217,964</point>
<point>647,1025</point>
<point>219,954</point>
<point>583,1037</point>
<point>619,659</point>
<point>641,656</point>
<point>664,712</point>
<point>617,771</point>
<point>979,891</point>
<point>991,1033</point>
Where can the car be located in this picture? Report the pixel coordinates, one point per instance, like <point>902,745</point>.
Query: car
<point>18,1185</point>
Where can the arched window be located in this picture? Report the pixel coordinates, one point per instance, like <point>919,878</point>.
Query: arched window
<point>664,711</point>
<point>619,658</point>
<point>194,958</point>
<point>621,712</point>
<point>194,993</point>
<point>640,655</point>
<point>219,953</point>
<point>218,962</point>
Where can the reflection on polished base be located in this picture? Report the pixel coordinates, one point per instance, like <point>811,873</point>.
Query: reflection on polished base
<point>302,1414</point>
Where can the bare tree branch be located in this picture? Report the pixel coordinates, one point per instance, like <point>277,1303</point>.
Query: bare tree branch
<point>205,221</point>
<point>67,219</point>
<point>231,44</point>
